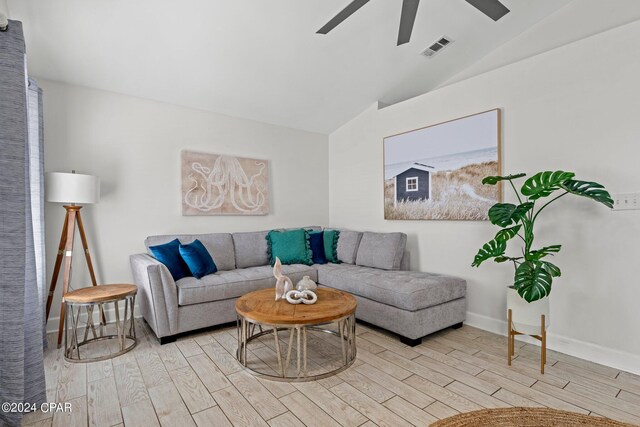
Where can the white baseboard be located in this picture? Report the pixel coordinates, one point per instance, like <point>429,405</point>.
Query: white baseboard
<point>109,313</point>
<point>581,349</point>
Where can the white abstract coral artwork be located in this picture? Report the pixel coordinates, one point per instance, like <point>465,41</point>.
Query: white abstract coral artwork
<point>214,184</point>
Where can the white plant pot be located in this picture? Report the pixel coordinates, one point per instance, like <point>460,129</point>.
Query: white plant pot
<point>526,316</point>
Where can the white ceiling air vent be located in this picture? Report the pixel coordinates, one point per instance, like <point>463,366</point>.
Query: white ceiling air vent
<point>437,46</point>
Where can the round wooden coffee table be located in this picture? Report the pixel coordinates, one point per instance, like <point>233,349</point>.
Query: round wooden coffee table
<point>259,309</point>
<point>88,298</point>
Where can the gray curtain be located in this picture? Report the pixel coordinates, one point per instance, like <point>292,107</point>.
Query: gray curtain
<point>21,231</point>
<point>36,183</point>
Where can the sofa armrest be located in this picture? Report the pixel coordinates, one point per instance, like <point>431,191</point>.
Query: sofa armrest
<point>157,294</point>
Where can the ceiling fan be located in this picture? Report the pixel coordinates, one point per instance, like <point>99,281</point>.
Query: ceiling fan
<point>492,8</point>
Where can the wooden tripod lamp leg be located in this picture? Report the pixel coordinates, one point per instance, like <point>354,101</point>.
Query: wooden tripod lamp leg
<point>56,268</point>
<point>87,256</point>
<point>65,252</point>
<point>68,255</point>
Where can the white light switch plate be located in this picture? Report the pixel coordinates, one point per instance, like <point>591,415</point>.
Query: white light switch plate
<point>626,201</point>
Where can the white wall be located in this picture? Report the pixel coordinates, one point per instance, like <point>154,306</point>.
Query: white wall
<point>577,20</point>
<point>576,108</point>
<point>134,146</point>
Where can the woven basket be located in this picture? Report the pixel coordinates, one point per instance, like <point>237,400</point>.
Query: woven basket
<point>526,417</point>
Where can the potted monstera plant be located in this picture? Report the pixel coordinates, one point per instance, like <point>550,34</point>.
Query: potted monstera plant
<point>534,273</point>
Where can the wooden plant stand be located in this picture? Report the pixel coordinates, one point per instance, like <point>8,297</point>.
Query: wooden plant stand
<point>542,338</point>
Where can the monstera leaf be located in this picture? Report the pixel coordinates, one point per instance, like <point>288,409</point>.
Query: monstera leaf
<point>592,190</point>
<point>533,280</point>
<point>505,214</point>
<point>541,253</point>
<point>551,268</point>
<point>491,249</point>
<point>508,233</point>
<point>544,183</point>
<point>493,180</point>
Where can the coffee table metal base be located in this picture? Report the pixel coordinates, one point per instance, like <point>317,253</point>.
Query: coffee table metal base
<point>346,333</point>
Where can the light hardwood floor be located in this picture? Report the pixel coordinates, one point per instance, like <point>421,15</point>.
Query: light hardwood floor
<point>197,382</point>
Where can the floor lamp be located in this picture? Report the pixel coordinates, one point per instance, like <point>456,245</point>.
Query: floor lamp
<point>72,190</point>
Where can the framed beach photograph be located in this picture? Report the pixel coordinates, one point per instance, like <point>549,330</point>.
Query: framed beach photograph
<point>436,172</point>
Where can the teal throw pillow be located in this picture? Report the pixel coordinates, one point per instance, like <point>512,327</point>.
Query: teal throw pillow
<point>331,245</point>
<point>198,259</point>
<point>291,246</point>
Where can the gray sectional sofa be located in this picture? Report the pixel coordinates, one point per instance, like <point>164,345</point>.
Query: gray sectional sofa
<point>374,268</point>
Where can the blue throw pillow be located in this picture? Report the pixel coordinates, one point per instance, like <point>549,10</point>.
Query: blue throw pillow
<point>198,259</point>
<point>316,241</point>
<point>169,255</point>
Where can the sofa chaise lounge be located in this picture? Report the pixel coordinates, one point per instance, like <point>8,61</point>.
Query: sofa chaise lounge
<point>374,267</point>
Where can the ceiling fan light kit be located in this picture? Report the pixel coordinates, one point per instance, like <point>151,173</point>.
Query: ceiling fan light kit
<point>494,9</point>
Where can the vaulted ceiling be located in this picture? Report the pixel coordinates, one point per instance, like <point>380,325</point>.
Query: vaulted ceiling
<point>261,59</point>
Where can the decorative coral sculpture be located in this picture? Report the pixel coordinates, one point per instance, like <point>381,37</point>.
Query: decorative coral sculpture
<point>297,297</point>
<point>283,283</point>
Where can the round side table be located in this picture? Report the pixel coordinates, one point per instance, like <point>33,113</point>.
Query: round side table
<point>88,298</point>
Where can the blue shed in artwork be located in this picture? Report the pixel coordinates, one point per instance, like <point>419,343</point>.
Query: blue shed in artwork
<point>413,183</point>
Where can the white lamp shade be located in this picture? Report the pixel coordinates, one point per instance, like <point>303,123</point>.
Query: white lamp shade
<point>76,188</point>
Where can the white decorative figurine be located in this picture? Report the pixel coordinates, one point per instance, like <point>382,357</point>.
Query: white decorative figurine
<point>297,297</point>
<point>306,284</point>
<point>283,283</point>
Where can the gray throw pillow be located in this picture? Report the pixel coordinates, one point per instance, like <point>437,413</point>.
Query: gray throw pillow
<point>251,249</point>
<point>348,243</point>
<point>381,250</point>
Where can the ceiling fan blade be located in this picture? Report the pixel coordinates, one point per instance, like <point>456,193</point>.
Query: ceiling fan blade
<point>492,8</point>
<point>408,17</point>
<point>342,15</point>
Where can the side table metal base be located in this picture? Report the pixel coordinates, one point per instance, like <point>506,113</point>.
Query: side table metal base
<point>125,329</point>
